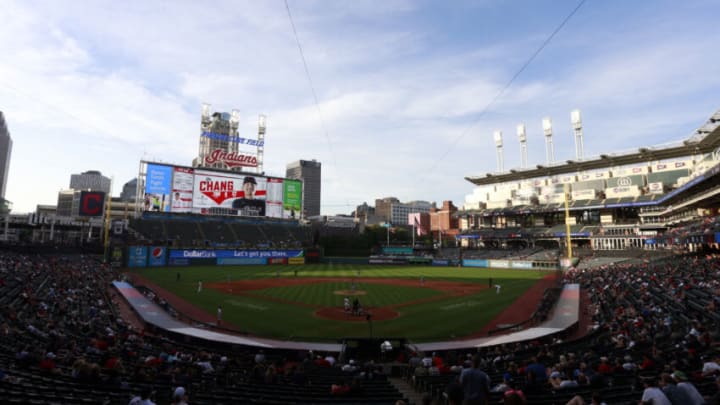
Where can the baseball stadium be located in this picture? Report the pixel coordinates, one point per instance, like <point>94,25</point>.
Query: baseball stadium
<point>561,281</point>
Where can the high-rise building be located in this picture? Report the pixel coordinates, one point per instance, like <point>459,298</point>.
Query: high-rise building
<point>383,207</point>
<point>309,171</point>
<point>5,151</point>
<point>129,191</point>
<point>90,180</point>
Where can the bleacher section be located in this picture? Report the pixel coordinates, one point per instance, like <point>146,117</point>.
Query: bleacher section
<point>190,231</point>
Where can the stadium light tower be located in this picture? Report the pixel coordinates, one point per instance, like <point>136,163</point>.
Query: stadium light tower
<point>234,123</point>
<point>261,142</point>
<point>576,120</point>
<point>547,130</point>
<point>522,136</point>
<point>499,145</point>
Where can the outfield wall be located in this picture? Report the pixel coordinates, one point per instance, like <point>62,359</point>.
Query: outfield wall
<point>159,256</point>
<point>511,264</point>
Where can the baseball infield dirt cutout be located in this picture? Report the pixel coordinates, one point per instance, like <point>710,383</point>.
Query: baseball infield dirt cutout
<point>447,288</point>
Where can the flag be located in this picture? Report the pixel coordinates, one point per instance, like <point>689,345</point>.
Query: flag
<point>419,230</point>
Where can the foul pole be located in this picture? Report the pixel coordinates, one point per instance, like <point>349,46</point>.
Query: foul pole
<point>567,224</point>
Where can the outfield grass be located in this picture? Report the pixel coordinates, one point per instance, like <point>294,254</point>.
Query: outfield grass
<point>448,318</point>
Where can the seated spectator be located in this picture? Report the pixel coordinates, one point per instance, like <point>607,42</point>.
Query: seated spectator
<point>559,383</point>
<point>710,366</point>
<point>179,397</point>
<point>653,395</point>
<point>147,397</point>
<point>339,389</point>
<point>672,392</point>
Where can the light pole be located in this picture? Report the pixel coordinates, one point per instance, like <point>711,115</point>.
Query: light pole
<point>547,130</point>
<point>576,120</point>
<point>522,137</point>
<point>499,145</point>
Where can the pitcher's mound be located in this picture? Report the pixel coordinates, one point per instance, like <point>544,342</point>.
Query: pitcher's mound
<point>339,314</point>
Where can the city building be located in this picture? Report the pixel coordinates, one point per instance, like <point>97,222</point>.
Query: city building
<point>5,152</point>
<point>91,180</point>
<point>391,210</point>
<point>309,171</point>
<point>443,221</point>
<point>383,207</point>
<point>399,211</point>
<point>68,203</point>
<point>129,191</point>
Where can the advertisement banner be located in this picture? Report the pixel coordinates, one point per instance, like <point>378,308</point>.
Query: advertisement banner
<point>552,198</point>
<point>274,198</point>
<point>629,171</point>
<point>292,197</point>
<point>227,253</point>
<point>397,250</point>
<point>475,263</point>
<point>296,260</point>
<point>231,159</point>
<point>656,188</point>
<point>182,189</point>
<point>664,167</point>
<point>221,193</point>
<point>232,138</point>
<point>232,261</point>
<point>567,179</point>
<point>203,191</point>
<point>92,203</point>
<point>279,260</point>
<point>137,256</point>
<point>158,180</point>
<point>620,192</point>
<point>521,265</point>
<point>499,264</point>
<point>626,181</point>
<point>583,194</point>
<point>594,176</point>
<point>157,257</point>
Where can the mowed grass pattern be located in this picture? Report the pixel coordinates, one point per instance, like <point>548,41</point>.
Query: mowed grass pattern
<point>323,294</point>
<point>448,318</point>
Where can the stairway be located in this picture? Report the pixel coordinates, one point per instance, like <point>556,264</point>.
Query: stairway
<point>407,390</point>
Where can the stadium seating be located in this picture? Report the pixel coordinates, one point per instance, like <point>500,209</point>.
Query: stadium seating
<point>196,231</point>
<point>63,342</point>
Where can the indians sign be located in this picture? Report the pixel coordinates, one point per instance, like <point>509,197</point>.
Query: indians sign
<point>231,159</point>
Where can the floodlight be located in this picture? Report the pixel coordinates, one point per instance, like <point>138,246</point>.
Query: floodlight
<point>547,126</point>
<point>205,110</point>
<point>235,116</point>
<point>576,118</point>
<point>497,136</point>
<point>522,136</point>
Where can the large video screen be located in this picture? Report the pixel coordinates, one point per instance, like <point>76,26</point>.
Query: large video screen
<point>202,191</point>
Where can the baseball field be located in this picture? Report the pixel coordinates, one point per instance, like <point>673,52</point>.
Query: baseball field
<point>306,302</point>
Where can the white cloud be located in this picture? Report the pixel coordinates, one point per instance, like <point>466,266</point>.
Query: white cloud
<point>100,85</point>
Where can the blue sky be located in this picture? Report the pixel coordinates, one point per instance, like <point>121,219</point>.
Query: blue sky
<point>402,86</point>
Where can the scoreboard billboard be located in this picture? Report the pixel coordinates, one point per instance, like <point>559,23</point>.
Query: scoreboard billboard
<point>202,191</point>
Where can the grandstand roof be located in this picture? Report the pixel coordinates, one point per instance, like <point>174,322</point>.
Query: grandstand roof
<point>704,140</point>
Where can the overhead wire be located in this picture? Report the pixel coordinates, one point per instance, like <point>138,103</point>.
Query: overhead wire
<point>312,85</point>
<point>507,85</point>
